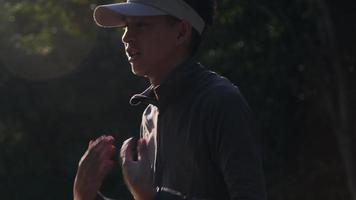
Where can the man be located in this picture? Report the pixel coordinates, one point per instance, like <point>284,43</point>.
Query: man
<point>197,130</point>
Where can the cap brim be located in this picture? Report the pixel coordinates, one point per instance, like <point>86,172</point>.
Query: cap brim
<point>113,15</point>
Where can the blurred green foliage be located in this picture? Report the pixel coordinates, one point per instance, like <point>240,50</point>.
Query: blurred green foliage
<point>64,81</point>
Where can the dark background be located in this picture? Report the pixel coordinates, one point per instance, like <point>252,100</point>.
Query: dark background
<point>64,81</point>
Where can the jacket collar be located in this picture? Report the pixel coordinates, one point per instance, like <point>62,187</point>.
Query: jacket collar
<point>174,86</point>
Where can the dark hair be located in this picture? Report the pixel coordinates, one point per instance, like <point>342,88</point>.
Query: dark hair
<point>206,10</point>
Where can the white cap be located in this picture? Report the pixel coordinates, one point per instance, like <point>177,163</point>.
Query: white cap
<point>112,15</point>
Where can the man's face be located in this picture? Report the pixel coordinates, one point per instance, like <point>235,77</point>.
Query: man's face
<point>150,44</point>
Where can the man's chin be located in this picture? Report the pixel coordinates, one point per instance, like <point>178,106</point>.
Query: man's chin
<point>136,71</point>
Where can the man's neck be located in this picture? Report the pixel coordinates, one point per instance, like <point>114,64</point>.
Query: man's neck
<point>156,79</point>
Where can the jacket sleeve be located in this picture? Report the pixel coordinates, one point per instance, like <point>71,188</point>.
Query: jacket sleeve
<point>233,146</point>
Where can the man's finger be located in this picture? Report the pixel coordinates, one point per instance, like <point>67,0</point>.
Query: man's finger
<point>126,152</point>
<point>101,142</point>
<point>124,147</point>
<point>107,152</point>
<point>129,155</point>
<point>126,142</point>
<point>142,150</point>
<point>90,144</point>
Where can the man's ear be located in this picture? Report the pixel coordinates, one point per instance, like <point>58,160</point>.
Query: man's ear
<point>184,32</point>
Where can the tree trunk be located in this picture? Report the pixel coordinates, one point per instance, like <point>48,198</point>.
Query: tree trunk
<point>337,99</point>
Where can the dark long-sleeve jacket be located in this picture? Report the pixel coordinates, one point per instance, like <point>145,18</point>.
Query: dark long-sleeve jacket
<point>200,133</point>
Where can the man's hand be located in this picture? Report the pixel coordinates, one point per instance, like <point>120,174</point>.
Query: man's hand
<point>137,173</point>
<point>93,167</point>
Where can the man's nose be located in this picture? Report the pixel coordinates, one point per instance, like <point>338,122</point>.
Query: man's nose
<point>128,35</point>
